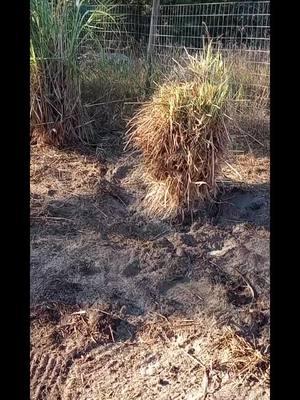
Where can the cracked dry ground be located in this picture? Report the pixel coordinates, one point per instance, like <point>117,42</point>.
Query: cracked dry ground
<point>127,308</point>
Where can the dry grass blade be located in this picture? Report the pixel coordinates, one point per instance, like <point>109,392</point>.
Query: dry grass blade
<point>241,357</point>
<point>218,348</point>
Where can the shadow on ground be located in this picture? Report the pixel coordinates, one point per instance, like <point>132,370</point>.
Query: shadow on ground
<point>106,282</point>
<point>99,249</point>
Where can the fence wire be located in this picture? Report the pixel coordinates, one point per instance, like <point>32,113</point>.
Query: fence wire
<point>240,29</point>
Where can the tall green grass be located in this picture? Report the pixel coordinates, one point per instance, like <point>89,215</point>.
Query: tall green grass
<point>59,31</point>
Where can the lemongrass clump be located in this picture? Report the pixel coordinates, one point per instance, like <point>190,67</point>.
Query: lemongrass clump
<point>59,30</point>
<point>182,136</point>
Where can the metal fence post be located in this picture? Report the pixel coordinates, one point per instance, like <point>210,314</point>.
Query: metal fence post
<point>151,40</point>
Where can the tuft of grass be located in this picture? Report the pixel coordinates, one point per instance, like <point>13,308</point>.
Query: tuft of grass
<point>182,136</point>
<point>248,80</point>
<point>59,30</point>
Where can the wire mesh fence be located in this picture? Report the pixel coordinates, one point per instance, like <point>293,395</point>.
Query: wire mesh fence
<point>231,24</point>
<point>239,29</point>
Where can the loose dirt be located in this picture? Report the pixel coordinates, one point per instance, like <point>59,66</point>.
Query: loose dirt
<point>128,308</point>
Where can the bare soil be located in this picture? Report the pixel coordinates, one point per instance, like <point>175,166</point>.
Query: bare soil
<point>124,307</point>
